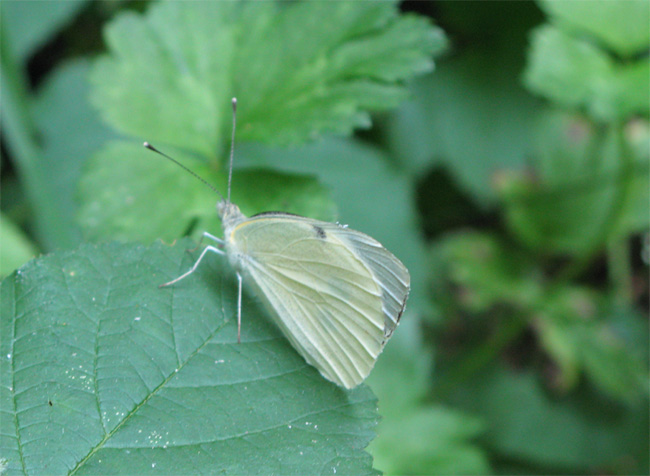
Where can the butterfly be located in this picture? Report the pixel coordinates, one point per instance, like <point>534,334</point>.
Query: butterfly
<point>336,294</point>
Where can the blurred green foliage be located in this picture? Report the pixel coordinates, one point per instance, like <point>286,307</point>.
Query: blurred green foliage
<point>512,180</point>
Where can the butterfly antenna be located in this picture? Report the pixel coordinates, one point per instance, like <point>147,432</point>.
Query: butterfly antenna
<point>152,148</point>
<point>232,144</point>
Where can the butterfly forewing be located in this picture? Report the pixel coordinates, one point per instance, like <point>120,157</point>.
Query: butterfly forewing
<point>337,294</point>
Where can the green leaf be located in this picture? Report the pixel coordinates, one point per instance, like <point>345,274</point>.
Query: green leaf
<point>16,248</point>
<point>171,73</point>
<point>30,24</point>
<point>573,434</point>
<point>553,324</point>
<point>487,272</point>
<point>622,26</point>
<point>103,372</point>
<point>129,193</point>
<point>581,191</point>
<point>69,132</point>
<point>581,337</point>
<point>432,440</point>
<point>573,72</point>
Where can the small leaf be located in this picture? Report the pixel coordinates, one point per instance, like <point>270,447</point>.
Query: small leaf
<point>103,372</point>
<point>594,346</point>
<point>636,217</point>
<point>579,192</point>
<point>171,73</point>
<point>573,72</point>
<point>488,272</point>
<point>31,24</point>
<point>622,26</point>
<point>16,249</point>
<point>561,316</point>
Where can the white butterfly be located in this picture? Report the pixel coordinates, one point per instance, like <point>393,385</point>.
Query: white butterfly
<point>337,294</point>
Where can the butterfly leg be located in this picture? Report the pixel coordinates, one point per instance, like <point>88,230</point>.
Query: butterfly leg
<point>239,309</point>
<point>212,237</point>
<point>206,235</point>
<point>193,268</point>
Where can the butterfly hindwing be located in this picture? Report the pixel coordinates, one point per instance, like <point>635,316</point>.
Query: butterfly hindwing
<point>389,273</point>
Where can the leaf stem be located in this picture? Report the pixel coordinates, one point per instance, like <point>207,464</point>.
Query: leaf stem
<point>612,220</point>
<point>482,355</point>
<point>620,270</point>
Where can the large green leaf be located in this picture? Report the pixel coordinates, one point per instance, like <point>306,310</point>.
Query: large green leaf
<point>103,372</point>
<point>622,26</point>
<point>572,434</point>
<point>472,116</point>
<point>171,73</point>
<point>191,58</point>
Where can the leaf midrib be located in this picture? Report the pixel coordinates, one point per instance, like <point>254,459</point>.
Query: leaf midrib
<point>108,435</point>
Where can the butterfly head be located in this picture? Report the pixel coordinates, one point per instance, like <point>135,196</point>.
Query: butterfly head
<point>229,214</point>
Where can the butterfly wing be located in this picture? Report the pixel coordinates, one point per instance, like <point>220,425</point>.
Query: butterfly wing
<point>390,274</point>
<point>337,294</point>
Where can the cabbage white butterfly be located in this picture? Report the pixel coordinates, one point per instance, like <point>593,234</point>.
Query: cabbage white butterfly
<point>337,294</point>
